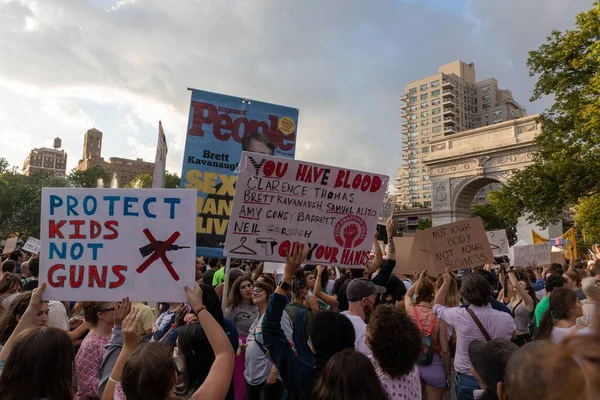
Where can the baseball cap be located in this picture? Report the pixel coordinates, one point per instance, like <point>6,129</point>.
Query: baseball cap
<point>489,360</point>
<point>361,288</point>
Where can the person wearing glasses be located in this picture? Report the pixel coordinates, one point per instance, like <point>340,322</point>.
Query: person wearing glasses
<point>262,378</point>
<point>101,318</point>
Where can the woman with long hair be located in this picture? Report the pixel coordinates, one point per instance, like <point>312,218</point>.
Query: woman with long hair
<point>11,318</point>
<point>559,320</point>
<point>242,311</point>
<point>36,362</point>
<point>10,289</point>
<point>396,345</point>
<point>148,372</point>
<point>573,282</point>
<point>101,318</point>
<point>262,379</point>
<point>434,379</point>
<point>520,298</point>
<point>349,374</point>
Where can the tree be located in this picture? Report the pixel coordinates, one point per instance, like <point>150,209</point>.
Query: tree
<point>90,178</point>
<point>566,166</point>
<point>172,180</point>
<point>142,181</point>
<point>587,218</point>
<point>424,223</point>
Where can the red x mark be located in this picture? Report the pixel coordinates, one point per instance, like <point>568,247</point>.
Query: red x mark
<point>159,252</point>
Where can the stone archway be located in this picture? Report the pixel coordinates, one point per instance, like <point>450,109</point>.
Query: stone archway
<point>463,163</point>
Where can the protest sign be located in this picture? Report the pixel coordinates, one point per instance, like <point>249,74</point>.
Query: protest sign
<point>10,246</point>
<point>458,245</point>
<point>420,256</point>
<point>498,242</point>
<point>403,246</point>
<point>219,128</point>
<point>281,202</point>
<point>387,209</point>
<point>105,244</point>
<point>273,268</point>
<point>32,245</point>
<point>532,255</point>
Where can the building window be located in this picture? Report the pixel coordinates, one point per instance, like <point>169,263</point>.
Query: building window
<point>435,83</point>
<point>498,120</point>
<point>486,97</point>
<point>414,180</point>
<point>425,114</point>
<point>436,120</point>
<point>427,203</point>
<point>424,105</point>
<point>426,178</point>
<point>436,129</point>
<point>435,93</point>
<point>413,161</point>
<point>485,107</point>
<point>414,170</point>
<point>413,125</point>
<point>427,186</point>
<point>485,88</point>
<point>424,96</point>
<point>413,117</point>
<point>435,102</point>
<point>498,112</point>
<point>423,87</point>
<point>413,134</point>
<point>412,90</point>
<point>427,195</point>
<point>424,123</point>
<point>415,196</point>
<point>435,111</point>
<point>414,152</point>
<point>412,99</point>
<point>425,141</point>
<point>424,149</point>
<point>412,108</point>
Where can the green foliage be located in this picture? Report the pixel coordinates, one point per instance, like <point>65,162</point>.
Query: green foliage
<point>424,224</point>
<point>142,181</point>
<point>90,178</point>
<point>587,218</point>
<point>567,163</point>
<point>172,180</point>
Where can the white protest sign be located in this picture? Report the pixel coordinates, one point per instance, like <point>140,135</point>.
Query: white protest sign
<point>458,245</point>
<point>279,202</point>
<point>273,268</point>
<point>387,209</point>
<point>498,242</point>
<point>106,244</point>
<point>32,245</point>
<point>532,255</point>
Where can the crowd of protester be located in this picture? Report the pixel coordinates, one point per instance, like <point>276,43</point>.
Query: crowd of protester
<point>312,332</point>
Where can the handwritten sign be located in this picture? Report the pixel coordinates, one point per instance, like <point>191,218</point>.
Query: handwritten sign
<point>279,202</point>
<point>10,245</point>
<point>274,268</point>
<point>387,209</point>
<point>420,256</point>
<point>105,244</point>
<point>403,247</point>
<point>498,242</point>
<point>459,245</point>
<point>32,245</point>
<point>532,255</point>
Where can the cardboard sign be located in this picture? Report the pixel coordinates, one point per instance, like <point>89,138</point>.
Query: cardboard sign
<point>498,242</point>
<point>32,245</point>
<point>458,245</point>
<point>387,209</point>
<point>280,202</point>
<point>105,244</point>
<point>403,247</point>
<point>532,255</point>
<point>219,128</point>
<point>10,246</point>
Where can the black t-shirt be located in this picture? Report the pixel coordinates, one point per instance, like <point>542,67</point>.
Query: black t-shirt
<point>29,286</point>
<point>207,277</point>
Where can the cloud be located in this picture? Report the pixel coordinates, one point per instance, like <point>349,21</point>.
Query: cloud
<point>67,112</point>
<point>343,63</point>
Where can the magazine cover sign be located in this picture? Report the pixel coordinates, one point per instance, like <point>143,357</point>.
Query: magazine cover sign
<point>105,244</point>
<point>280,203</point>
<point>220,127</point>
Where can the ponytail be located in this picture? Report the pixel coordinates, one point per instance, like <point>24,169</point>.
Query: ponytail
<point>559,308</point>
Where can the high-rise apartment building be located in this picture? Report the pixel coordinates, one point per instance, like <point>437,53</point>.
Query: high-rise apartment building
<point>45,159</point>
<point>448,102</point>
<point>122,170</point>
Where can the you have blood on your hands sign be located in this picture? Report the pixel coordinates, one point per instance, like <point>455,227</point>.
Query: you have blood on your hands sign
<point>279,203</point>
<point>105,244</point>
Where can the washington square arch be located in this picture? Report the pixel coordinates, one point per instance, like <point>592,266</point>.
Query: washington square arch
<point>463,163</point>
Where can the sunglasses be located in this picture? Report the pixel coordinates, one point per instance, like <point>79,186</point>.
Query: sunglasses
<point>257,290</point>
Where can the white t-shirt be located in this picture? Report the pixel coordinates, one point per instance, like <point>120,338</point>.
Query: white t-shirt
<point>360,328</point>
<point>559,334</point>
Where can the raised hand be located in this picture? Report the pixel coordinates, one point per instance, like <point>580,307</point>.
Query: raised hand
<point>122,309</point>
<point>195,297</point>
<point>129,329</point>
<point>350,232</point>
<point>294,260</point>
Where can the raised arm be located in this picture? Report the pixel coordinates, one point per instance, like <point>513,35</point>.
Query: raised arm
<point>440,297</point>
<point>527,300</point>
<point>330,300</point>
<point>216,385</point>
<point>408,303</point>
<point>390,228</point>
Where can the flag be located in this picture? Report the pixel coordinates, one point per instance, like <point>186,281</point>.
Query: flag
<point>537,238</point>
<point>160,160</point>
<point>570,241</point>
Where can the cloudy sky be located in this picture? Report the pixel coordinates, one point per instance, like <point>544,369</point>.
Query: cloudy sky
<point>121,66</point>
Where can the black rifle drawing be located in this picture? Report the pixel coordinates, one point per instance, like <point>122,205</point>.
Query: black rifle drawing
<point>148,249</point>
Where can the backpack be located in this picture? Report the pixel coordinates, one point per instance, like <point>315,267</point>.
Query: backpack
<point>426,356</point>
<point>301,344</point>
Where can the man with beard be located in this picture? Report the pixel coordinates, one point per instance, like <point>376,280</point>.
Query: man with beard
<point>362,294</point>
